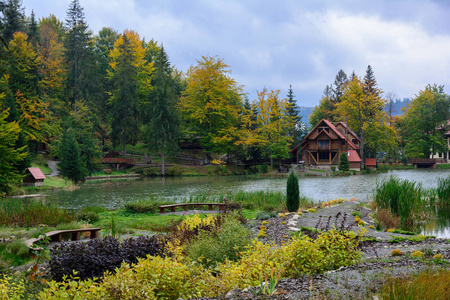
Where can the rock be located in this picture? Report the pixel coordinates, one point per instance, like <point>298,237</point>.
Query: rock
<point>294,229</point>
<point>232,293</point>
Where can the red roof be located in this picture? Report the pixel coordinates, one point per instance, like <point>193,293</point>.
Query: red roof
<point>37,173</point>
<point>371,162</point>
<point>353,156</point>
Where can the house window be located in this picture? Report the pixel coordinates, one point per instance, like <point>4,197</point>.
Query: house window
<point>440,154</point>
<point>324,144</point>
<point>355,141</point>
<point>324,156</point>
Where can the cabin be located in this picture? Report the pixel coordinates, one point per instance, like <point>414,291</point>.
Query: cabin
<point>34,177</point>
<point>323,146</point>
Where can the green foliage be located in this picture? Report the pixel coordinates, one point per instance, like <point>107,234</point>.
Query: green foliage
<point>292,192</point>
<point>9,154</point>
<point>344,164</point>
<point>71,165</point>
<point>443,191</point>
<point>403,198</point>
<point>151,205</point>
<point>211,248</point>
<point>31,212</point>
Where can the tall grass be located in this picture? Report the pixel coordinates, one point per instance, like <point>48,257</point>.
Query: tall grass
<point>443,192</point>
<point>404,198</point>
<point>425,285</point>
<point>32,212</point>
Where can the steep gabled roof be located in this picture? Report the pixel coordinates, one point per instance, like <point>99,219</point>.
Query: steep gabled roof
<point>348,130</point>
<point>36,173</point>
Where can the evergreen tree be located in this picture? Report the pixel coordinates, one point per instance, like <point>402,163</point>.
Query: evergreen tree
<point>370,83</point>
<point>79,56</point>
<point>344,164</point>
<point>293,112</point>
<point>339,82</point>
<point>71,165</point>
<point>292,193</point>
<point>163,126</point>
<point>14,19</point>
<point>33,31</point>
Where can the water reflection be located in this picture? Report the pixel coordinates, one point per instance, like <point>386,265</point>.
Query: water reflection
<point>439,225</point>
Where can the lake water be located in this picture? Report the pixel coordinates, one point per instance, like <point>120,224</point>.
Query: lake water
<point>113,194</point>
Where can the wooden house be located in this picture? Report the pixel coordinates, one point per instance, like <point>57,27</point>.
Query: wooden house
<point>324,144</point>
<point>34,177</point>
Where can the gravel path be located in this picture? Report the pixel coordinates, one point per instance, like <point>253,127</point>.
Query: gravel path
<point>52,165</point>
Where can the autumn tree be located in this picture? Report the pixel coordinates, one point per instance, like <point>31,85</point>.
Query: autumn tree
<point>211,103</point>
<point>272,125</point>
<point>364,114</point>
<point>324,110</point>
<point>422,121</point>
<point>130,77</point>
<point>163,124</point>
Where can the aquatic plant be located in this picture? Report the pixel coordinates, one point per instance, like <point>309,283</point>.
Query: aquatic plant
<point>443,191</point>
<point>404,198</point>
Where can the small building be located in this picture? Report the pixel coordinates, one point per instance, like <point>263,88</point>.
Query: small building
<point>323,145</point>
<point>371,163</point>
<point>443,157</point>
<point>34,177</point>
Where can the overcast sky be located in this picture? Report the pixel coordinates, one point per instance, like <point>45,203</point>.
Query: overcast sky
<point>274,44</point>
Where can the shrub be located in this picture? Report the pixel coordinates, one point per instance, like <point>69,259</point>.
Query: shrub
<point>292,192</point>
<point>88,216</point>
<point>356,213</point>
<point>438,256</point>
<point>344,164</point>
<point>225,243</point>
<point>19,249</point>
<point>417,254</point>
<point>93,258</point>
<point>396,252</point>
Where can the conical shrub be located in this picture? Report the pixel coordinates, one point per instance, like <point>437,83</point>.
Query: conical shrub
<point>292,192</point>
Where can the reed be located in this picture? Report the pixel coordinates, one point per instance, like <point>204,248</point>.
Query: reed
<point>427,284</point>
<point>404,198</point>
<point>443,192</point>
<point>32,212</point>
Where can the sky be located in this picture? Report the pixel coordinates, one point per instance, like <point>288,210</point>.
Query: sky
<point>274,44</point>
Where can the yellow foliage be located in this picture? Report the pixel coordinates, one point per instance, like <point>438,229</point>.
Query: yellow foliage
<point>10,289</point>
<point>396,252</point>
<point>438,256</point>
<point>417,254</point>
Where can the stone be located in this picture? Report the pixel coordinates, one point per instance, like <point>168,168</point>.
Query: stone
<point>232,293</point>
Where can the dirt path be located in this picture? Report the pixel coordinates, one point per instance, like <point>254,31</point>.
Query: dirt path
<point>52,165</point>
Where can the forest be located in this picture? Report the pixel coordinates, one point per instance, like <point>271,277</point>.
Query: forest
<point>76,94</point>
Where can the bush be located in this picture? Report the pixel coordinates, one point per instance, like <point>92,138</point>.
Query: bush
<point>225,243</point>
<point>344,164</point>
<point>93,258</point>
<point>88,216</point>
<point>292,192</point>
<point>18,248</point>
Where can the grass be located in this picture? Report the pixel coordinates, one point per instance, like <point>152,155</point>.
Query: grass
<point>404,198</point>
<point>28,212</point>
<point>428,284</point>
<point>443,191</point>
<point>443,166</point>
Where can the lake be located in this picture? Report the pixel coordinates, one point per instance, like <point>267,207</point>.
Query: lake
<point>113,194</point>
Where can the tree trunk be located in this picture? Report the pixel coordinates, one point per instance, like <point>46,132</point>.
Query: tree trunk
<point>163,171</point>
<point>125,150</point>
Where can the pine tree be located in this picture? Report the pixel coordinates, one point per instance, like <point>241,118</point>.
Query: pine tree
<point>292,193</point>
<point>33,31</point>
<point>163,126</point>
<point>14,19</point>
<point>71,165</point>
<point>344,164</point>
<point>293,112</point>
<point>339,82</point>
<point>79,55</point>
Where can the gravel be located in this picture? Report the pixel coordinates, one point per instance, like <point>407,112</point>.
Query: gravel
<point>354,282</point>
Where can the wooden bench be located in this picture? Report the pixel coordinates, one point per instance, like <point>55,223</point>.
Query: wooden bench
<point>185,206</point>
<point>56,236</point>
<point>107,171</point>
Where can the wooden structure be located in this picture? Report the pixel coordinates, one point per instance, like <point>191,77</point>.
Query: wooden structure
<point>443,156</point>
<point>371,163</point>
<point>116,162</point>
<point>185,206</point>
<point>324,144</point>
<point>56,236</point>
<point>423,162</point>
<point>34,177</point>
